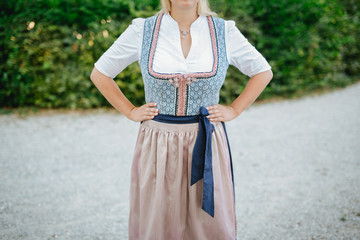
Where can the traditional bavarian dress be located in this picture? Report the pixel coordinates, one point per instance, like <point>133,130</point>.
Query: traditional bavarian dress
<point>165,201</point>
<point>182,183</point>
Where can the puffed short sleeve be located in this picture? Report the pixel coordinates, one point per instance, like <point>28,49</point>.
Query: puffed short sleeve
<point>241,53</point>
<point>125,50</point>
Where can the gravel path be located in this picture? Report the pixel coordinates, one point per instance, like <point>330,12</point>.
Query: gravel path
<point>296,164</point>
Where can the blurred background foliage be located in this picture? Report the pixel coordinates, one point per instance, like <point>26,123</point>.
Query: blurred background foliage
<point>49,47</point>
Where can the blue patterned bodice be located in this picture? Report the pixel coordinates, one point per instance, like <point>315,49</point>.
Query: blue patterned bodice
<point>182,94</point>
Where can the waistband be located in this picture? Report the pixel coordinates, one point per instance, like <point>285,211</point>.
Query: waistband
<point>202,154</point>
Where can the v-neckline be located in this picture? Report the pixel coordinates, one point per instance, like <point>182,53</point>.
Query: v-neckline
<point>153,44</point>
<point>182,51</point>
<point>179,47</point>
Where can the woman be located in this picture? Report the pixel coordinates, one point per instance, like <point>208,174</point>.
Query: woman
<point>181,176</point>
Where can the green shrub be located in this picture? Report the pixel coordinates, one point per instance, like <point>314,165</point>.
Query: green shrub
<point>306,42</point>
<point>310,44</point>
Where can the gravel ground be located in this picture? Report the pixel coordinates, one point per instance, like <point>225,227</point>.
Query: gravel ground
<point>296,164</point>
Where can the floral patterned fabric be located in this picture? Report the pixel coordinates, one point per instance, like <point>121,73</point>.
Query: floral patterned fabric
<point>183,94</point>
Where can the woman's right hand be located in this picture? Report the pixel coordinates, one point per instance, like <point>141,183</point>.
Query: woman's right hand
<point>145,112</point>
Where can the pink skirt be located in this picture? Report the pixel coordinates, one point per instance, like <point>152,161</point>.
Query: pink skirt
<point>163,205</point>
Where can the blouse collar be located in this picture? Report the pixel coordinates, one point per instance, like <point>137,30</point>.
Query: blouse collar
<point>195,25</point>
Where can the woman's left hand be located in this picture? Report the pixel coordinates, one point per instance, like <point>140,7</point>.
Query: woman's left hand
<point>221,113</point>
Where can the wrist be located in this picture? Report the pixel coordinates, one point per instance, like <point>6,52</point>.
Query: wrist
<point>129,112</point>
<point>236,111</point>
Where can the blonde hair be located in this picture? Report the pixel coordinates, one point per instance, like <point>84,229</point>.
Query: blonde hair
<point>202,8</point>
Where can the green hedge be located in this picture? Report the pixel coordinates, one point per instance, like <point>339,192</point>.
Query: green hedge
<point>310,44</point>
<point>307,43</point>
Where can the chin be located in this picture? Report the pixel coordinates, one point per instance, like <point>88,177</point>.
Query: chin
<point>184,3</point>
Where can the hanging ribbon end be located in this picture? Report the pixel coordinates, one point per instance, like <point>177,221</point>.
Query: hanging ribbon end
<point>209,211</point>
<point>195,178</point>
<point>192,182</point>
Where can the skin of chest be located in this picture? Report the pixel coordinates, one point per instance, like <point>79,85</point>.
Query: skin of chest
<point>186,44</point>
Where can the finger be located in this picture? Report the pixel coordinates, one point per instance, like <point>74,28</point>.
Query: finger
<point>151,104</point>
<point>151,112</point>
<point>213,111</point>
<point>210,107</point>
<point>217,119</point>
<point>148,117</point>
<point>215,115</point>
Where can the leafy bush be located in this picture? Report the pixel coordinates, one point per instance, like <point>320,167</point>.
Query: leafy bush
<point>49,65</point>
<point>306,42</point>
<point>49,47</point>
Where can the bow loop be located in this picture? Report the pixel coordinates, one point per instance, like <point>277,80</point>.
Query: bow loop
<point>204,112</point>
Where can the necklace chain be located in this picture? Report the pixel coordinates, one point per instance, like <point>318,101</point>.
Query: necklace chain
<point>184,32</point>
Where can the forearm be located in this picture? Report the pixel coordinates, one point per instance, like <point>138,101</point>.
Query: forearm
<point>111,91</point>
<point>252,90</point>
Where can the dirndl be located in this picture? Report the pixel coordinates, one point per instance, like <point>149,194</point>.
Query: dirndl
<point>163,204</point>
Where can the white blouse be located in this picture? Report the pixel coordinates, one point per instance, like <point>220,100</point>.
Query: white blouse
<point>168,56</point>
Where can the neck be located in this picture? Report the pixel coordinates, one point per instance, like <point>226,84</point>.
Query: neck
<point>184,17</point>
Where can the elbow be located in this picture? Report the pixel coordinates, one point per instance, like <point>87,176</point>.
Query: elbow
<point>97,76</point>
<point>92,75</point>
<point>266,75</point>
<point>269,75</point>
